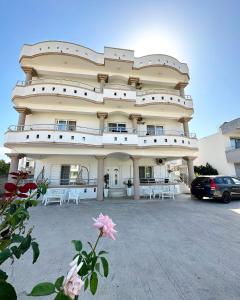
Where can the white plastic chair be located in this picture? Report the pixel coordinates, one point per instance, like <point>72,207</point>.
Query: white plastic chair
<point>157,190</point>
<point>73,194</point>
<point>54,195</point>
<point>148,192</point>
<point>168,192</point>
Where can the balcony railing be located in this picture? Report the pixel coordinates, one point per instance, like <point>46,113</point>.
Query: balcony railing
<point>115,130</point>
<point>111,91</point>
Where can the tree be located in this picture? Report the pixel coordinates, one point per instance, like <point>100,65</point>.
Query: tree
<point>4,167</point>
<point>205,170</point>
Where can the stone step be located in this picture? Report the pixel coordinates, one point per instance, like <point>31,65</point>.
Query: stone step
<point>117,192</point>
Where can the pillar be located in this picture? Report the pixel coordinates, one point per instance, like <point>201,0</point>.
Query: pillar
<point>100,179</point>
<point>180,86</point>
<point>134,118</point>
<point>185,121</point>
<point>133,81</point>
<point>23,112</point>
<point>191,174</point>
<point>136,182</point>
<point>29,72</point>
<point>102,116</point>
<point>13,164</point>
<point>102,79</point>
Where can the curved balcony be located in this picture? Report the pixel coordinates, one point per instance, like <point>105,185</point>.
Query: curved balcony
<point>51,134</point>
<point>71,49</point>
<point>75,89</point>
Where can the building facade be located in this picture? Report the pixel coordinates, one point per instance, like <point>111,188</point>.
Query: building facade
<point>227,142</point>
<point>86,117</point>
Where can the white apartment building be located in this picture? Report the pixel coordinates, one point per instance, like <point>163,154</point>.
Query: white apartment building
<point>84,114</point>
<point>222,149</point>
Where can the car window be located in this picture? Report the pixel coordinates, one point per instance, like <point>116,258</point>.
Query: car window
<point>235,180</point>
<point>227,180</point>
<point>201,180</point>
<point>219,180</point>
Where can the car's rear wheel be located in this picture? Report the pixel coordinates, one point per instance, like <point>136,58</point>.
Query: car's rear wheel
<point>226,197</point>
<point>199,197</point>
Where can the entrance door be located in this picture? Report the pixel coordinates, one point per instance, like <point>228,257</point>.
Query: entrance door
<point>114,177</point>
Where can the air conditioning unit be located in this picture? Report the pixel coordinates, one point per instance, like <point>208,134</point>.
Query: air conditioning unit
<point>160,161</point>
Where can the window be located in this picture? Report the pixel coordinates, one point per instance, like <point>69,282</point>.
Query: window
<point>70,174</point>
<point>154,130</point>
<point>235,143</point>
<point>65,125</point>
<point>227,180</point>
<point>235,180</point>
<point>146,174</point>
<point>117,127</point>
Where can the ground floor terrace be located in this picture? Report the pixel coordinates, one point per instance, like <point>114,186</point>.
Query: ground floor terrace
<point>112,175</point>
<point>168,249</point>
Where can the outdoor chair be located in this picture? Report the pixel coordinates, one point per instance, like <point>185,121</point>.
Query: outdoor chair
<point>168,191</point>
<point>73,194</point>
<point>54,195</point>
<point>148,192</point>
<point>157,190</point>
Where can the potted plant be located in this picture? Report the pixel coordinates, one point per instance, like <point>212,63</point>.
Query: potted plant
<point>129,187</point>
<point>106,185</point>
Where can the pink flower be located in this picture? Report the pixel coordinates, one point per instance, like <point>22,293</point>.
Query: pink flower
<point>73,283</point>
<point>105,225</point>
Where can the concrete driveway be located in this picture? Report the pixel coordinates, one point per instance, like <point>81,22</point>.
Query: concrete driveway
<point>165,249</point>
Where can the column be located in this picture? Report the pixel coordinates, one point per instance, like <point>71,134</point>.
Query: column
<point>102,79</point>
<point>185,121</point>
<point>133,81</point>
<point>23,112</point>
<point>180,86</point>
<point>30,72</point>
<point>14,164</point>
<point>102,116</point>
<point>134,118</point>
<point>100,179</point>
<point>136,182</point>
<point>191,174</point>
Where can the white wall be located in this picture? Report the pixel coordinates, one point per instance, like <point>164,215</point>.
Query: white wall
<point>212,150</point>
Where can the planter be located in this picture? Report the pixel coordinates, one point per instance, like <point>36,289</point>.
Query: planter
<point>105,193</point>
<point>129,191</point>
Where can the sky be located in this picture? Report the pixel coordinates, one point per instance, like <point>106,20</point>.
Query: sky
<point>204,34</point>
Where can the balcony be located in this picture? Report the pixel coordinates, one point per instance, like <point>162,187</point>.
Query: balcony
<point>121,55</point>
<point>233,154</point>
<point>53,134</point>
<point>80,90</point>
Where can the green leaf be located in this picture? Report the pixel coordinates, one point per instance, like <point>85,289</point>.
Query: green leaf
<point>78,245</point>
<point>43,289</point>
<point>84,270</point>
<point>105,266</point>
<point>86,284</point>
<point>7,291</point>
<point>16,238</point>
<point>36,251</point>
<point>3,275</point>
<point>59,283</point>
<point>93,283</point>
<point>25,244</point>
<point>12,208</point>
<point>4,255</point>
<point>16,251</point>
<point>97,267</point>
<point>102,253</point>
<point>61,296</point>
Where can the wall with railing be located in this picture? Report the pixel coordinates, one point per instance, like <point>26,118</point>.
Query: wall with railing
<point>59,47</point>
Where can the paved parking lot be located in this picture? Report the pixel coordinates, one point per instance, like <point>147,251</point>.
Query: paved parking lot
<point>165,249</point>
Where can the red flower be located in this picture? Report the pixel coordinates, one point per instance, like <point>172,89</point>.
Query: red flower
<point>8,195</point>
<point>15,173</point>
<point>20,195</point>
<point>10,187</point>
<point>28,186</point>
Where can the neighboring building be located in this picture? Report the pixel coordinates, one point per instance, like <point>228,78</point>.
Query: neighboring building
<point>222,149</point>
<point>84,114</point>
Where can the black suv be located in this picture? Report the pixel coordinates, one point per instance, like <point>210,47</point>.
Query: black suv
<point>216,187</point>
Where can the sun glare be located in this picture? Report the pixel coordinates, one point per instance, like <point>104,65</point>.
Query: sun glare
<point>156,42</point>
